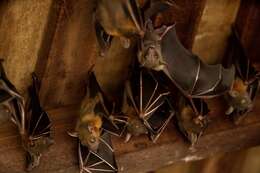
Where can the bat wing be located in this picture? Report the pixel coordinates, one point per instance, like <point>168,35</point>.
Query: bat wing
<point>39,124</point>
<point>151,100</point>
<point>101,161</point>
<point>193,77</point>
<point>11,101</point>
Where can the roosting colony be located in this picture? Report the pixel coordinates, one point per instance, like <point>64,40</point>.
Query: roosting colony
<point>165,81</point>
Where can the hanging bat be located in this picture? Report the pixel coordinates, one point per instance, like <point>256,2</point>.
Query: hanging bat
<point>120,18</point>
<point>88,127</point>
<point>150,100</point>
<point>243,93</point>
<point>124,19</point>
<point>101,161</point>
<point>37,135</point>
<point>162,51</point>
<point>11,102</point>
<point>190,124</point>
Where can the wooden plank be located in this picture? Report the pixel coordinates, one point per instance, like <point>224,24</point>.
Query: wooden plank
<point>23,27</point>
<point>72,52</point>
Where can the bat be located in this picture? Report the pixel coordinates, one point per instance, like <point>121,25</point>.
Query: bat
<point>243,93</point>
<point>100,161</point>
<point>37,135</point>
<point>190,124</point>
<point>151,100</point>
<point>123,19</point>
<point>120,18</point>
<point>11,102</point>
<point>161,50</point>
<point>97,114</point>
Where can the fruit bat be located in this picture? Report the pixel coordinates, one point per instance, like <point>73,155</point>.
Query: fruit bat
<point>38,135</point>
<point>88,127</point>
<point>191,124</point>
<point>150,99</point>
<point>124,19</point>
<point>243,93</point>
<point>120,18</point>
<point>162,51</point>
<point>100,161</point>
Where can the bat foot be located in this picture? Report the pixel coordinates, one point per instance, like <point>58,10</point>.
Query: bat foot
<point>33,161</point>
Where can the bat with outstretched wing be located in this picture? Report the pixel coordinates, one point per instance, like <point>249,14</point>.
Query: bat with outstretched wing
<point>191,124</point>
<point>161,50</point>
<point>150,99</point>
<point>243,93</point>
<point>37,135</point>
<point>101,161</point>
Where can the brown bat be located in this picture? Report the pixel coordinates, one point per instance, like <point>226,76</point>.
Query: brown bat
<point>120,18</point>
<point>124,19</point>
<point>244,91</point>
<point>100,161</point>
<point>190,124</point>
<point>161,50</point>
<point>88,127</point>
<point>150,99</point>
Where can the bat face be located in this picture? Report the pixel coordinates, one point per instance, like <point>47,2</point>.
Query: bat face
<point>189,122</point>
<point>245,88</point>
<point>150,55</point>
<point>101,161</point>
<point>38,137</point>
<point>150,100</point>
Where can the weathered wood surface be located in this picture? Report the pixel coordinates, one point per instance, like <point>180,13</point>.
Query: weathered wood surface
<point>140,154</point>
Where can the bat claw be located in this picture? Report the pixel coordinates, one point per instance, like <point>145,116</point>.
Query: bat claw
<point>128,137</point>
<point>230,110</point>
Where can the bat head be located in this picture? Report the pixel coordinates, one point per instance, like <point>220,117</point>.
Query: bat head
<point>89,130</point>
<point>136,127</point>
<point>150,55</point>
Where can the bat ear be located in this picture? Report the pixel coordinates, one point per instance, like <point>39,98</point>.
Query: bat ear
<point>73,134</point>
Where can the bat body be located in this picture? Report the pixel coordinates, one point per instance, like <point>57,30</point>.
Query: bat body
<point>38,134</point>
<point>124,19</point>
<point>100,161</point>
<point>88,127</point>
<point>191,124</point>
<point>162,51</point>
<point>119,18</point>
<point>150,100</point>
<point>243,93</point>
